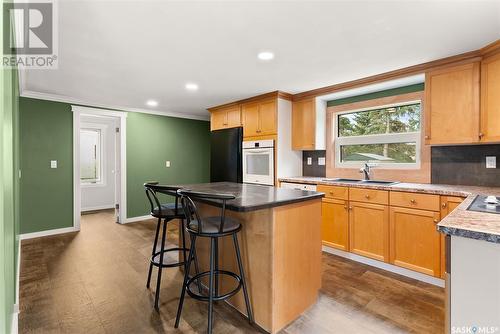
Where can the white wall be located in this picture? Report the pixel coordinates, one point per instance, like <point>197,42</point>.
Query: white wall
<point>289,161</point>
<point>102,196</point>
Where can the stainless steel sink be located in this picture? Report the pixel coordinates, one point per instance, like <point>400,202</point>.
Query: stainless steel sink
<point>343,180</point>
<point>385,183</point>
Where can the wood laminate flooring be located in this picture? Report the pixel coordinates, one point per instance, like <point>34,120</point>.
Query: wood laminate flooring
<point>94,282</point>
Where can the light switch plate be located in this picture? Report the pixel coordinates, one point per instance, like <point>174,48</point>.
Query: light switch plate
<point>167,163</point>
<point>309,161</point>
<point>321,161</point>
<point>491,162</point>
<point>53,163</point>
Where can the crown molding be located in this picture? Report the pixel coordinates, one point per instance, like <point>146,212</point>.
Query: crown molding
<point>72,100</point>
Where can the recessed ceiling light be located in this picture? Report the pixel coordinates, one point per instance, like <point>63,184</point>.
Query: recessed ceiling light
<point>191,86</point>
<point>152,103</point>
<point>265,55</point>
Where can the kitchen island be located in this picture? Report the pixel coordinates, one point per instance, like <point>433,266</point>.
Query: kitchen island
<point>280,243</point>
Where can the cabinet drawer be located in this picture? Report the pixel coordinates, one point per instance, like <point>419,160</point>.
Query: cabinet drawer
<point>334,191</point>
<point>369,195</point>
<point>415,201</point>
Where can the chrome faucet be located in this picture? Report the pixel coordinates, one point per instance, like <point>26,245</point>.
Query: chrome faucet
<point>366,170</point>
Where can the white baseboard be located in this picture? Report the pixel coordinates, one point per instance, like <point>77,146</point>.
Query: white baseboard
<point>47,233</point>
<point>14,329</point>
<point>15,311</point>
<point>99,207</point>
<point>385,266</point>
<point>137,219</point>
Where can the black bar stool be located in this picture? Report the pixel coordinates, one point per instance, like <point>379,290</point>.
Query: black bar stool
<point>213,228</point>
<point>165,212</point>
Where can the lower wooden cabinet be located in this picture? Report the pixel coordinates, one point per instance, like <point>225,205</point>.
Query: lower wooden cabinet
<point>415,242</point>
<point>369,230</point>
<point>335,223</point>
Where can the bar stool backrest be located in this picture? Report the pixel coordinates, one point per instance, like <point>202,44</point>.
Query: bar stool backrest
<point>188,197</point>
<point>153,188</point>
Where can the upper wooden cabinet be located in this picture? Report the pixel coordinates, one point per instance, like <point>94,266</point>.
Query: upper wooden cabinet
<point>452,105</point>
<point>308,124</point>
<point>225,117</point>
<point>259,118</point>
<point>490,99</point>
<point>303,125</point>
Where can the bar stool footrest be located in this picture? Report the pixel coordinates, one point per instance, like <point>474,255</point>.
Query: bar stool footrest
<point>218,273</point>
<point>156,263</point>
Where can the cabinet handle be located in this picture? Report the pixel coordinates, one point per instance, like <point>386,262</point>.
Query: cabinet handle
<point>443,205</point>
<point>367,196</point>
<point>350,208</point>
<point>345,207</point>
<point>481,135</point>
<point>412,201</point>
<point>331,192</point>
<point>427,137</point>
<point>436,221</point>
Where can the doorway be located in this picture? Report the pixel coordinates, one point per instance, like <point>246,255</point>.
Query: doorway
<point>99,162</point>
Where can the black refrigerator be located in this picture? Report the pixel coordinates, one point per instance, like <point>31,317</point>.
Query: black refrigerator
<point>226,155</point>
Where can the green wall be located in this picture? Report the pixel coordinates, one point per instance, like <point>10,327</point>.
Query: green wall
<point>376,95</point>
<point>47,134</point>
<point>152,140</point>
<point>9,191</point>
<point>46,193</point>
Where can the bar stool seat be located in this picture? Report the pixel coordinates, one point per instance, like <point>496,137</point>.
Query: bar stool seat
<point>211,225</point>
<point>167,210</point>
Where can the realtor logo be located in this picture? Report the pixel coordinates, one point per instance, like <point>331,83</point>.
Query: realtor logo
<point>29,41</point>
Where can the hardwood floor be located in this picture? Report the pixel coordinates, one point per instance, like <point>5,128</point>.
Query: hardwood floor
<point>94,282</point>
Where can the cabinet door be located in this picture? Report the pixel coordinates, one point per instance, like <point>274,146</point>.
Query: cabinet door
<point>304,125</point>
<point>452,105</point>
<point>335,223</point>
<point>218,120</point>
<point>233,116</point>
<point>369,230</point>
<point>250,114</point>
<point>490,99</point>
<point>415,242</point>
<point>448,204</point>
<point>268,118</point>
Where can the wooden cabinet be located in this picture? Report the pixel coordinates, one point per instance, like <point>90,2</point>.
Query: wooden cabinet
<point>335,223</point>
<point>490,99</point>
<point>415,200</point>
<point>369,230</point>
<point>303,125</point>
<point>448,204</point>
<point>369,195</point>
<point>226,117</point>
<point>259,118</point>
<point>334,191</point>
<point>452,105</point>
<point>309,124</point>
<point>415,242</point>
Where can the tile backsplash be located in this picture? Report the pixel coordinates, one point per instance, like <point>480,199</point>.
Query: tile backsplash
<point>315,169</point>
<point>465,165</point>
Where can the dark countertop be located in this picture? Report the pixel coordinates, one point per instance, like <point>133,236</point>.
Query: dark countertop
<point>251,197</point>
<point>460,222</point>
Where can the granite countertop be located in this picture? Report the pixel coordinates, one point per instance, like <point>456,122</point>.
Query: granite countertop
<point>251,197</point>
<point>460,222</point>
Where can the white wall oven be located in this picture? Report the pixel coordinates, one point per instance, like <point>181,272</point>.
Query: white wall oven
<point>258,162</point>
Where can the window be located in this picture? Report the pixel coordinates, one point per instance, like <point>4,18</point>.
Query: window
<point>90,156</point>
<point>386,135</point>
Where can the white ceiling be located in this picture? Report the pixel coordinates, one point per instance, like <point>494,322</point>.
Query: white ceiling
<point>121,53</point>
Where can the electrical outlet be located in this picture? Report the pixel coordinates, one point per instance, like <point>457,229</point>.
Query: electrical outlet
<point>321,161</point>
<point>491,162</point>
<point>53,163</point>
<point>167,163</point>
<point>309,161</point>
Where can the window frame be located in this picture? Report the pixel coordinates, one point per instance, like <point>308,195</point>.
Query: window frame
<point>101,181</point>
<point>384,138</point>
